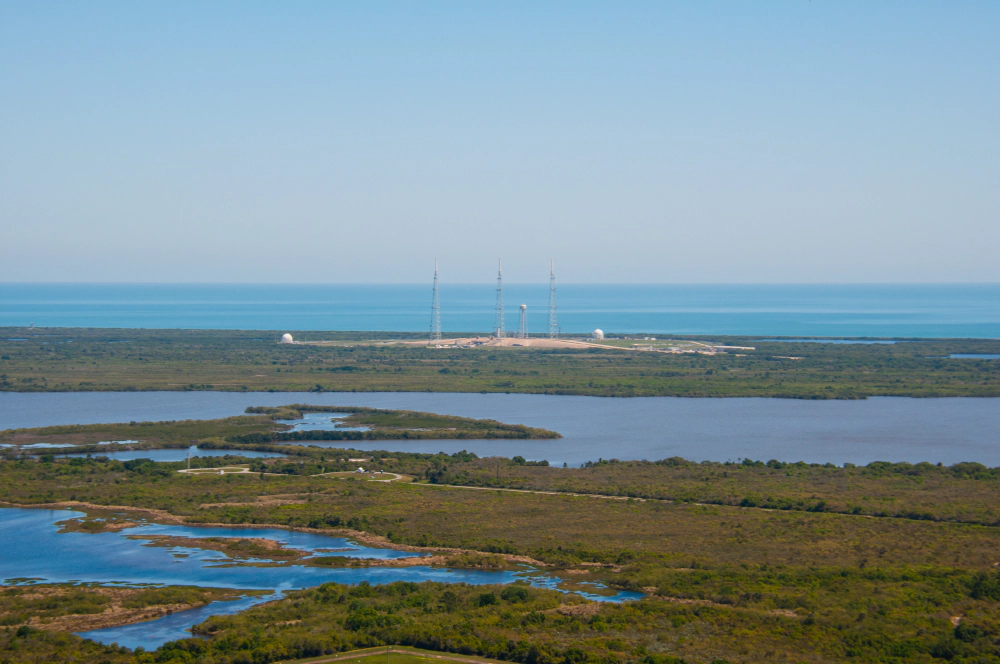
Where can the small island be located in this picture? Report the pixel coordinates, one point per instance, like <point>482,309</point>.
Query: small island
<point>263,426</point>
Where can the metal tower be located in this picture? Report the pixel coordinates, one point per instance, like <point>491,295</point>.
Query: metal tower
<point>553,318</point>
<point>435,308</point>
<point>498,315</point>
<point>522,328</point>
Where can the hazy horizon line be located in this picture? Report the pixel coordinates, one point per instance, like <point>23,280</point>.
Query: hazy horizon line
<point>492,282</point>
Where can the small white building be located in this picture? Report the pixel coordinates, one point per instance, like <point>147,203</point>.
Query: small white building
<point>597,334</point>
<point>287,338</point>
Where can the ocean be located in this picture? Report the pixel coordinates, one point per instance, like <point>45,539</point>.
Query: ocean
<point>910,311</point>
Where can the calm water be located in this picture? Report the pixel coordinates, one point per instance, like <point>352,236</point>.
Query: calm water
<point>150,635</point>
<point>176,454</point>
<point>320,422</point>
<point>767,310</point>
<point>885,428</point>
<point>34,549</point>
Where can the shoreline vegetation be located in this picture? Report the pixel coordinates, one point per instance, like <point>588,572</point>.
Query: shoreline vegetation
<point>261,427</point>
<point>963,492</point>
<point>737,562</point>
<point>81,607</point>
<point>79,359</point>
<point>806,577</point>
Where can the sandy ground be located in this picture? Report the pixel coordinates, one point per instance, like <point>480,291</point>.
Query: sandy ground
<point>510,342</point>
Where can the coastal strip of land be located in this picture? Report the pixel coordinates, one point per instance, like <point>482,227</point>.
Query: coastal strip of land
<point>74,359</point>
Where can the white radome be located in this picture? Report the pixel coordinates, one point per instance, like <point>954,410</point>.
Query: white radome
<point>597,334</point>
<point>286,338</point>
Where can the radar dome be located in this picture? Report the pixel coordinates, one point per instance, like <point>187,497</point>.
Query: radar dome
<point>286,338</point>
<point>597,334</point>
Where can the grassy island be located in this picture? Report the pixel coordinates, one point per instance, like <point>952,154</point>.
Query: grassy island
<point>263,425</point>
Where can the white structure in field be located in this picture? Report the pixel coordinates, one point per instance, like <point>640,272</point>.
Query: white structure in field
<point>286,338</point>
<point>522,328</point>
<point>597,334</point>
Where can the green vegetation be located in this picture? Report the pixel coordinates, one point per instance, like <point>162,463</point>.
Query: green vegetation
<point>147,434</point>
<point>261,427</point>
<point>739,562</point>
<point>535,626</point>
<point>808,579</point>
<point>390,425</point>
<point>64,359</point>
<point>965,492</point>
<point>66,607</point>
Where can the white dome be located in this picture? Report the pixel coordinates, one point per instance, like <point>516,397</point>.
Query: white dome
<point>597,334</point>
<point>286,338</point>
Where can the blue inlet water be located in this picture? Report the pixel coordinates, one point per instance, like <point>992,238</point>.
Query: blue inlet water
<point>921,310</point>
<point>34,549</point>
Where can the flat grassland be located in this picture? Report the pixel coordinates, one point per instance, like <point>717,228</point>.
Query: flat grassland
<point>65,359</point>
<point>748,562</point>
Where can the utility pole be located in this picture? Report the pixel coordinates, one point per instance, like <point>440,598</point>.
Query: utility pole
<point>435,308</point>
<point>553,318</point>
<point>498,314</point>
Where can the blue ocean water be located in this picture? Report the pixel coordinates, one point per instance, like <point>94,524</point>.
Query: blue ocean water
<point>858,310</point>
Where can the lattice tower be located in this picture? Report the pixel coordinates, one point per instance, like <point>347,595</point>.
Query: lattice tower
<point>435,308</point>
<point>498,314</point>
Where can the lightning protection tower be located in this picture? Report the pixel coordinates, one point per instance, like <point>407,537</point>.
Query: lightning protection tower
<point>553,318</point>
<point>498,314</point>
<point>435,308</point>
<point>522,328</point>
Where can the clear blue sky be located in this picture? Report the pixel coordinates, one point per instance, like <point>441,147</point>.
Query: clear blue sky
<point>828,141</point>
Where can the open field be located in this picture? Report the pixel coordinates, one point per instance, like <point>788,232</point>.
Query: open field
<point>65,359</point>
